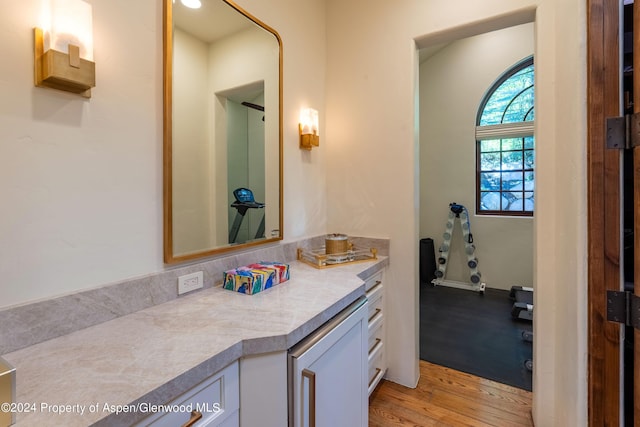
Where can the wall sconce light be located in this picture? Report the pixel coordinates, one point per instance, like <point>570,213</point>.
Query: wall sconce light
<point>63,48</point>
<point>309,129</point>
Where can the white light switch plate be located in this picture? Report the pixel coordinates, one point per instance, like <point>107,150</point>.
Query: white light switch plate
<point>190,282</point>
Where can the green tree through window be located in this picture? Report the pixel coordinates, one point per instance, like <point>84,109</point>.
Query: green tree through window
<point>505,144</point>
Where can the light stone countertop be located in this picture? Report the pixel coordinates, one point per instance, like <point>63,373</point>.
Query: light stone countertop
<point>154,355</point>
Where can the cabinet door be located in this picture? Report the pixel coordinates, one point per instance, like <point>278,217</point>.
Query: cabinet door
<point>330,378</point>
<point>217,399</point>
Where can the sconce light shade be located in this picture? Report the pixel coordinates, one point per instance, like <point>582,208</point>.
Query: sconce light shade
<point>309,137</point>
<point>63,48</point>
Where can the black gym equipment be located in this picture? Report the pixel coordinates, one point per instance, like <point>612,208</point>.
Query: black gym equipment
<point>528,337</point>
<point>523,305</point>
<point>427,261</point>
<point>244,202</point>
<point>522,309</point>
<point>458,213</point>
<point>528,364</point>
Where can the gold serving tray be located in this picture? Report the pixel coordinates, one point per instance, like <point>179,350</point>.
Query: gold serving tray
<point>319,258</point>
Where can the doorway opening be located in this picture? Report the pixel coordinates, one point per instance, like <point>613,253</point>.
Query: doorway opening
<point>463,329</point>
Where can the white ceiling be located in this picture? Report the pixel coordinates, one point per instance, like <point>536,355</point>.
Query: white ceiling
<point>427,52</point>
<point>214,20</point>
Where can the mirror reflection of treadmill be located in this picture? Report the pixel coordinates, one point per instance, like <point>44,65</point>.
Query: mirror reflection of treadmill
<point>244,201</point>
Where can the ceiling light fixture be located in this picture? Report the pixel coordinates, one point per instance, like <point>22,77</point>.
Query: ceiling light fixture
<point>193,4</point>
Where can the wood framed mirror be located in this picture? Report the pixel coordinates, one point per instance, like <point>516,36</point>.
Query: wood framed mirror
<point>222,130</point>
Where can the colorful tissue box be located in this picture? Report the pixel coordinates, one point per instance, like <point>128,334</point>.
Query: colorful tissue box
<point>247,280</point>
<point>255,278</point>
<point>282,270</point>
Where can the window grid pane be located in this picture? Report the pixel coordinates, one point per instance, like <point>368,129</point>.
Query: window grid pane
<point>489,145</point>
<point>509,144</point>
<point>506,177</point>
<point>512,101</point>
<point>512,160</point>
<point>490,181</point>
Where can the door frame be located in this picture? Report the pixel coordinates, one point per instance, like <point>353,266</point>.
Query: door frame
<point>603,176</point>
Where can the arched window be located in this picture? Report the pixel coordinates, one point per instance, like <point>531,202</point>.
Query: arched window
<point>505,181</point>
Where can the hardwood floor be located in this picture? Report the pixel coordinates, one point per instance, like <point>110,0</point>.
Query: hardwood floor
<point>445,397</point>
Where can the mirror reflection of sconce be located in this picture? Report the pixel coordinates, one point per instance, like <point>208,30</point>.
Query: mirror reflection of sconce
<point>63,48</point>
<point>309,137</point>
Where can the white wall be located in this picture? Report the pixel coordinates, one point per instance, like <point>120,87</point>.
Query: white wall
<point>190,145</point>
<point>246,158</point>
<point>301,25</point>
<point>452,84</point>
<point>239,64</point>
<point>81,180</point>
<point>373,175</point>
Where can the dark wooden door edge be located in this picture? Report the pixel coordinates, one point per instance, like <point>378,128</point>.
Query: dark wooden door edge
<point>603,211</point>
<point>636,210</point>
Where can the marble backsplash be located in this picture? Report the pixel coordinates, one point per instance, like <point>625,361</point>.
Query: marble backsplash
<point>32,323</point>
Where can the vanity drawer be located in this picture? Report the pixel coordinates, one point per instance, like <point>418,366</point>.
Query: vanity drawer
<point>375,301</point>
<point>376,366</point>
<point>375,333</point>
<point>217,398</point>
<point>374,287</point>
<point>372,281</point>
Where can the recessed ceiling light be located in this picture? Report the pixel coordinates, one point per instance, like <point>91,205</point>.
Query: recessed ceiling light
<point>193,4</point>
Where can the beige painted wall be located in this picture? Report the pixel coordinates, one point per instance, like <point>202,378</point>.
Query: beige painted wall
<point>237,63</point>
<point>191,138</point>
<point>373,173</point>
<point>201,71</point>
<point>82,179</point>
<point>452,84</point>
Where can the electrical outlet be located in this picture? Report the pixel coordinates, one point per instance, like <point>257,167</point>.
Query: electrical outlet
<point>190,282</point>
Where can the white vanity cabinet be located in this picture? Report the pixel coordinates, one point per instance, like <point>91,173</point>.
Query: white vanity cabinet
<point>322,381</point>
<point>213,402</point>
<point>374,287</point>
<point>328,372</point>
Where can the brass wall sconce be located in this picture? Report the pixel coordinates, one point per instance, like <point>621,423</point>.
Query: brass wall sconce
<point>63,48</point>
<point>309,137</point>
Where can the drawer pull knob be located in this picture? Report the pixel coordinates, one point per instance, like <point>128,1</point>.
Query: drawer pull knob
<point>377,288</point>
<point>195,417</point>
<point>378,341</point>
<point>375,313</point>
<point>375,376</point>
